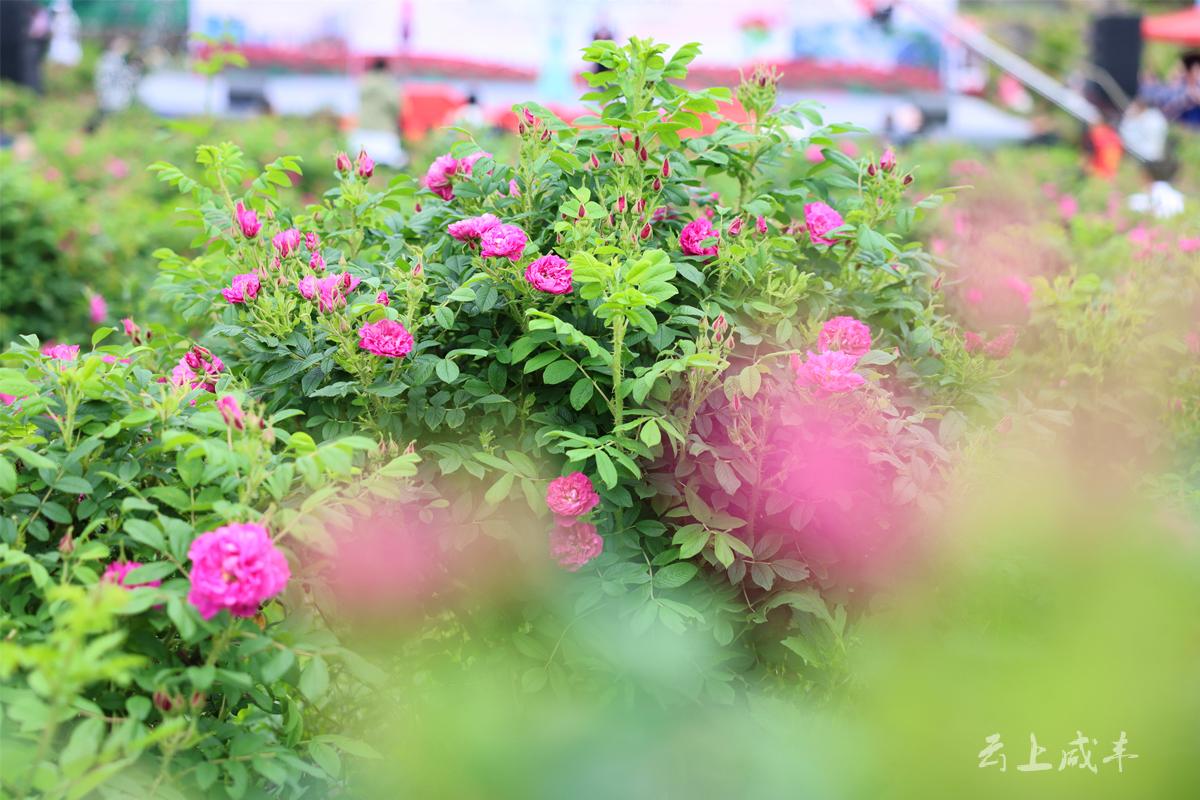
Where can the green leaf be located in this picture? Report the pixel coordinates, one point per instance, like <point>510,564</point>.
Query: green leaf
<point>8,476</point>
<point>145,532</point>
<point>314,679</point>
<point>675,575</point>
<point>500,489</point>
<point>533,679</point>
<point>326,758</point>
<point>100,334</point>
<point>650,434</point>
<point>608,472</point>
<point>447,370</point>
<point>558,372</point>
<point>153,571</point>
<point>180,615</point>
<point>581,393</point>
<point>278,665</point>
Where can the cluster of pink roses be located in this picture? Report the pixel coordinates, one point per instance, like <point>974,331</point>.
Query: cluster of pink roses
<point>549,273</point>
<point>329,292</point>
<point>198,369</point>
<point>573,541</point>
<point>440,176</point>
<point>235,568</point>
<point>997,348</point>
<point>364,165</point>
<point>242,289</point>
<point>841,343</point>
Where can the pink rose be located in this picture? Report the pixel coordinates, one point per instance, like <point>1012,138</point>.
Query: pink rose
<point>61,352</point>
<point>7,399</point>
<point>1068,206</point>
<point>467,163</point>
<point>1189,244</point>
<point>549,274</point>
<point>308,287</point>
<point>231,412</point>
<point>235,568</point>
<point>97,309</point>
<point>438,177</point>
<point>116,571</point>
<point>831,372</point>
<point>735,227</point>
<point>813,154</point>
<point>761,225</point>
<point>198,368</point>
<point>366,166</point>
<point>887,161</point>
<point>693,236</point>
<point>503,241</point>
<point>846,335</point>
<point>571,495</point>
<point>467,229</point>
<point>316,262</point>
<point>342,163</point>
<point>247,220</point>
<point>574,544</point>
<point>286,242</point>
<point>382,299</point>
<point>1020,287</point>
<point>386,338</point>
<point>244,288</point>
<point>820,220</point>
<point>999,347</point>
<point>513,189</point>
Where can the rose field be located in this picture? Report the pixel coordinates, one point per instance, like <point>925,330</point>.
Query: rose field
<point>607,458</point>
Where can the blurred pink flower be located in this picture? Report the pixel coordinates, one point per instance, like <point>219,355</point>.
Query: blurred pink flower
<point>7,399</point>
<point>117,168</point>
<point>830,371</point>
<point>97,308</point>
<point>1068,206</point>
<point>761,225</point>
<point>574,544</point>
<point>386,338</point>
<point>308,286</point>
<point>382,299</point>
<point>467,163</point>
<point>1020,287</point>
<point>235,568</point>
<point>813,154</point>
<point>513,189</point>
<point>846,335</point>
<point>887,161</point>
<point>549,274</point>
<point>571,495</point>
<point>116,571</point>
<point>316,262</point>
<point>820,219</point>
<point>1189,244</point>
<point>312,241</point>
<point>61,352</point>
<point>231,411</point>
<point>695,234</point>
<point>503,241</point>
<point>848,147</point>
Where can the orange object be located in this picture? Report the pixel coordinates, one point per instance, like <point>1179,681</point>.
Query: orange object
<point>1105,151</point>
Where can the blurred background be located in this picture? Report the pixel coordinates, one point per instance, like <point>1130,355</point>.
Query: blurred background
<point>1063,596</point>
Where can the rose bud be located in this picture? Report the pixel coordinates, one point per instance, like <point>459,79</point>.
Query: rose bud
<point>887,162</point>
<point>595,161</point>
<point>645,232</point>
<point>735,227</point>
<point>657,185</point>
<point>621,204</point>
<point>666,168</point>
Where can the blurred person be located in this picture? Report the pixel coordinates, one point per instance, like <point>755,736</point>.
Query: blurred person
<point>1160,199</point>
<point>1144,127</point>
<point>64,47</point>
<point>378,128</point>
<point>470,114</point>
<point>115,82</point>
<point>1179,98</point>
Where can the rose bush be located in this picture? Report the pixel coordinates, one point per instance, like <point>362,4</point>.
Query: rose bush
<point>717,398</point>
